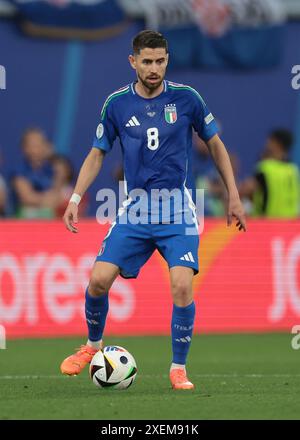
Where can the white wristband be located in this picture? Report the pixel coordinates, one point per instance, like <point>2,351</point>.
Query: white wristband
<point>75,198</point>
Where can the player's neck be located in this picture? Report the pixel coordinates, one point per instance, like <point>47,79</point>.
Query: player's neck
<point>148,93</point>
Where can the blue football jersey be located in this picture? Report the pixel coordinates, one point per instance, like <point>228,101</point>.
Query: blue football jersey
<point>155,133</point>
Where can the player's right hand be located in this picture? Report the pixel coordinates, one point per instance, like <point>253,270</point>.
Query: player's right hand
<point>71,217</point>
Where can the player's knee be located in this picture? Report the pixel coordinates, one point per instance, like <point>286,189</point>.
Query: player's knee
<point>98,285</point>
<point>182,291</point>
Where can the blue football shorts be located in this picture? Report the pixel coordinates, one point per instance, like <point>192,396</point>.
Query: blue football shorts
<point>129,246</point>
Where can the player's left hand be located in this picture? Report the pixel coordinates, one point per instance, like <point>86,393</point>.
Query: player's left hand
<point>236,209</point>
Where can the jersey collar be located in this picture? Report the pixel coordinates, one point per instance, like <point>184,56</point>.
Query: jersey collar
<point>134,82</point>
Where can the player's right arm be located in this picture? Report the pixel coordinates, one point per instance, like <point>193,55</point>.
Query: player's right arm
<point>88,173</point>
<point>106,133</point>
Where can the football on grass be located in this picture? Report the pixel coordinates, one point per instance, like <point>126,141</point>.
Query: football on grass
<point>113,367</point>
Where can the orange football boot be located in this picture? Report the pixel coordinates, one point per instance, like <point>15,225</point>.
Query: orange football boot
<point>75,363</point>
<point>179,380</point>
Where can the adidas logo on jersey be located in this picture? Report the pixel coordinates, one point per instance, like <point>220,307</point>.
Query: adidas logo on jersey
<point>133,122</point>
<point>188,257</point>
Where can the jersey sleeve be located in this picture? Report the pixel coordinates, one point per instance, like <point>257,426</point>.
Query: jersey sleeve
<point>203,120</point>
<point>106,131</point>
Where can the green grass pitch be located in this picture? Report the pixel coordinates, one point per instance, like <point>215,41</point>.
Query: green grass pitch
<point>236,377</point>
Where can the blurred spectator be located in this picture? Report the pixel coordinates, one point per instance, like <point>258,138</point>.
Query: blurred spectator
<point>2,196</point>
<point>63,183</point>
<point>274,189</point>
<point>33,179</point>
<point>3,193</point>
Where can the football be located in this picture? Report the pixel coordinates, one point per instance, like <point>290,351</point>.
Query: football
<point>113,367</point>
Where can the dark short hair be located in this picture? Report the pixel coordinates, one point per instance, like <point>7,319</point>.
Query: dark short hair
<point>283,137</point>
<point>149,39</point>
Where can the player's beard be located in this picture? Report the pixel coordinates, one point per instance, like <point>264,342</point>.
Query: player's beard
<point>150,86</point>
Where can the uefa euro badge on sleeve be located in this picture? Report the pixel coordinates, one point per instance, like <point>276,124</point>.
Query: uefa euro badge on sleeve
<point>99,131</point>
<point>170,113</point>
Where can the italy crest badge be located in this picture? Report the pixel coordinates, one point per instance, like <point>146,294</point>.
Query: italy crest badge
<point>170,113</point>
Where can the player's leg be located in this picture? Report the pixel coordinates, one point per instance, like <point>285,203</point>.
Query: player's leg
<point>96,300</point>
<point>124,250</point>
<point>183,316</point>
<point>180,250</point>
<point>96,309</point>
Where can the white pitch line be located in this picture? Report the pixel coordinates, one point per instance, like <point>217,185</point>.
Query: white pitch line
<point>33,377</point>
<point>229,376</point>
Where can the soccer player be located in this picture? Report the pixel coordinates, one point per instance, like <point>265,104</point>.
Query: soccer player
<point>153,119</point>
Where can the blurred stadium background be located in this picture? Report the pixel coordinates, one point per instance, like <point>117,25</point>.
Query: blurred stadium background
<point>59,61</point>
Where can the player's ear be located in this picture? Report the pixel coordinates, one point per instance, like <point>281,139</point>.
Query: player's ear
<point>167,58</point>
<point>132,61</point>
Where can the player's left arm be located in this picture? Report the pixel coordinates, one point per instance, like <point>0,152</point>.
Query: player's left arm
<point>205,125</point>
<point>221,159</point>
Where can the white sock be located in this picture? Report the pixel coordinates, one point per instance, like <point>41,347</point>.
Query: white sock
<point>94,344</point>
<point>177,366</point>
